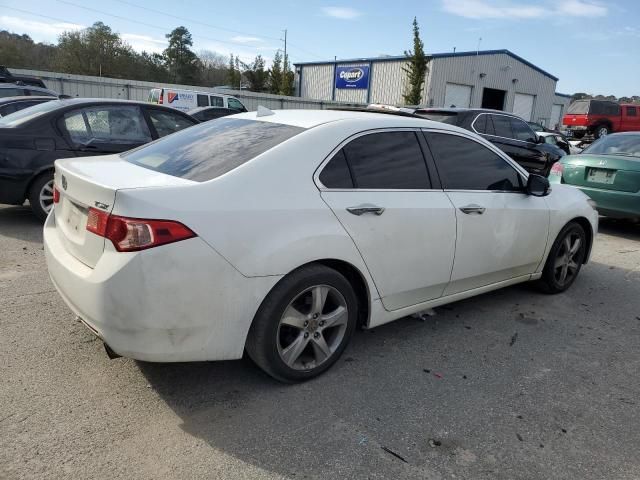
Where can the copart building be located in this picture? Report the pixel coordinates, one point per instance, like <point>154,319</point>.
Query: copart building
<point>497,79</point>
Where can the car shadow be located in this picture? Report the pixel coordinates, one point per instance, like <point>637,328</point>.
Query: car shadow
<point>483,388</point>
<point>19,222</point>
<point>619,228</point>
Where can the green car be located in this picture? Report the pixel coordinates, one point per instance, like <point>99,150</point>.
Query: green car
<point>608,171</point>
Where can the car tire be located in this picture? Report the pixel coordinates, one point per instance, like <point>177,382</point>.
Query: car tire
<point>304,324</point>
<point>601,131</point>
<point>562,266</point>
<point>41,195</point>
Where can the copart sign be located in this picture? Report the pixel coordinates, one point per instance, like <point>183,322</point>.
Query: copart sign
<point>352,77</point>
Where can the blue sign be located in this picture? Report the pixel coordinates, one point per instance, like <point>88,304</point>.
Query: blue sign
<point>352,77</point>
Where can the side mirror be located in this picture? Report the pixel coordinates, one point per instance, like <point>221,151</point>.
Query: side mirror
<point>540,139</point>
<point>537,185</point>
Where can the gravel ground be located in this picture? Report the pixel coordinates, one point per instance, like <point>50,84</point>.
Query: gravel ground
<point>510,385</point>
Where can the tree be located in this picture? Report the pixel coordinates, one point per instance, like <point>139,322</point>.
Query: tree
<point>287,88</point>
<point>416,69</point>
<point>234,74</point>
<point>182,63</point>
<point>213,68</point>
<point>256,75</point>
<point>580,96</point>
<point>276,74</point>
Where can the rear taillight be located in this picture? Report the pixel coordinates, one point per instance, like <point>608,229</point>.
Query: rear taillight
<point>557,169</point>
<point>56,194</point>
<point>133,234</point>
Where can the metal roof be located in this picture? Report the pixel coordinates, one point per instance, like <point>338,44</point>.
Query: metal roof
<point>433,55</point>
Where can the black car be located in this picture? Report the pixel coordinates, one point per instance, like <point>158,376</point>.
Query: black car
<point>10,105</point>
<point>33,138</point>
<point>20,90</point>
<point>507,131</point>
<point>204,114</point>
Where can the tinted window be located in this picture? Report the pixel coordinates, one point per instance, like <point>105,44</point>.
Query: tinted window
<point>389,160</point>
<point>203,101</point>
<point>107,124</point>
<point>11,92</point>
<point>217,101</point>
<point>166,123</point>
<point>631,111</point>
<point>502,126</point>
<point>445,117</point>
<point>31,113</point>
<point>480,124</point>
<point>336,173</point>
<point>604,108</point>
<point>7,109</point>
<point>235,104</point>
<point>211,149</point>
<point>628,145</point>
<point>522,131</point>
<point>466,165</point>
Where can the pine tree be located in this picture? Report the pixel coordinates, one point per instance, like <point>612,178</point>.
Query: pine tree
<point>256,75</point>
<point>275,74</point>
<point>286,88</point>
<point>183,64</point>
<point>417,68</point>
<point>234,72</point>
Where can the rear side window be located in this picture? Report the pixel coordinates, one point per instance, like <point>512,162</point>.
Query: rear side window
<point>632,111</point>
<point>166,122</point>
<point>387,160</point>
<point>217,101</point>
<point>211,149</point>
<point>464,164</point>
<point>336,173</point>
<point>502,126</point>
<point>203,101</point>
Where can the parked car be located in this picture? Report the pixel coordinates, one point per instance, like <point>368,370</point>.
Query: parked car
<point>560,141</point>
<point>186,100</point>
<point>9,105</point>
<point>537,127</point>
<point>507,131</point>
<point>8,77</point>
<point>609,172</point>
<point>33,138</point>
<point>204,114</point>
<point>278,232</point>
<point>600,118</point>
<point>15,90</point>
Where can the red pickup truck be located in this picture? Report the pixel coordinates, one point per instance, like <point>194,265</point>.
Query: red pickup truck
<point>599,118</point>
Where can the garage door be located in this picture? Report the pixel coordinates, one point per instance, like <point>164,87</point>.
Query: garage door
<point>457,96</point>
<point>556,112</point>
<point>523,105</point>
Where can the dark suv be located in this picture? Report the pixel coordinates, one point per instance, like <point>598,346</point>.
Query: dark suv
<point>507,131</point>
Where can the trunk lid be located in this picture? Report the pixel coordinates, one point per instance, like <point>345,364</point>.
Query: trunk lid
<point>92,182</point>
<point>575,120</point>
<point>606,172</point>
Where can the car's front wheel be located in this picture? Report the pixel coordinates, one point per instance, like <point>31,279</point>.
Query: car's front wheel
<point>565,259</point>
<point>304,324</point>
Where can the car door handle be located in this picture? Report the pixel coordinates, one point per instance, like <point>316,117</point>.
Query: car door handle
<point>362,209</point>
<point>472,209</point>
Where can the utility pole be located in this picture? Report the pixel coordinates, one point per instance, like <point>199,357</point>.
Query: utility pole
<point>285,45</point>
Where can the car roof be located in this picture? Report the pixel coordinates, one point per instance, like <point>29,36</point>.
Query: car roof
<point>28,87</point>
<point>313,118</point>
<point>200,109</point>
<point>463,110</point>
<point>26,98</point>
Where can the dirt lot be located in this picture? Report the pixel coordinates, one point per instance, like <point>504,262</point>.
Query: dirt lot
<point>511,385</point>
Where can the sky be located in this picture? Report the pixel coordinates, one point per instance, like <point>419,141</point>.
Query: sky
<point>593,46</point>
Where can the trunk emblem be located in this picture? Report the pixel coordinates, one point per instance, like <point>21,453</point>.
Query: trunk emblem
<point>64,182</point>
<point>101,205</point>
<point>602,163</point>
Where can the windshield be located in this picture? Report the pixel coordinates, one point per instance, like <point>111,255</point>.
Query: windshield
<point>580,107</point>
<point>211,149</point>
<point>23,116</point>
<point>628,145</point>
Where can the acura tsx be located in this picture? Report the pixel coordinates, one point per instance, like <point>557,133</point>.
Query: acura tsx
<point>277,233</point>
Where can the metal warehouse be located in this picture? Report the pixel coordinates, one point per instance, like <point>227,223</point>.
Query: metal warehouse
<point>497,79</point>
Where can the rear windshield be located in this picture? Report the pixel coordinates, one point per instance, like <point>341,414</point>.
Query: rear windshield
<point>211,149</point>
<point>580,107</point>
<point>593,107</point>
<point>444,117</point>
<point>23,116</point>
<point>625,145</point>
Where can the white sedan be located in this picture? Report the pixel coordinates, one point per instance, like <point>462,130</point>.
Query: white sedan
<point>280,232</point>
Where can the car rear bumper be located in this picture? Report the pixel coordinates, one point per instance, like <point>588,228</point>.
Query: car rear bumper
<point>178,302</point>
<point>13,188</point>
<point>614,203</point>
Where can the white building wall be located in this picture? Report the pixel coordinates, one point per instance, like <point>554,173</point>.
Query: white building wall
<point>388,82</point>
<point>316,81</point>
<point>499,71</point>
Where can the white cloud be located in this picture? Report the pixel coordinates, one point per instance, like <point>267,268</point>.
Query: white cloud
<point>343,13</point>
<point>144,43</point>
<point>245,39</point>
<point>484,9</point>
<point>38,31</point>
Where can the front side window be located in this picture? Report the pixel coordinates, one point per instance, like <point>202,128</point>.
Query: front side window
<point>522,131</point>
<point>387,160</point>
<point>118,124</point>
<point>236,105</point>
<point>550,139</point>
<point>502,126</point>
<point>166,122</point>
<point>217,101</point>
<point>464,164</point>
<point>211,149</point>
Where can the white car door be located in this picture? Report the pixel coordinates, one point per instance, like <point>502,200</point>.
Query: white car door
<point>379,187</point>
<point>502,232</point>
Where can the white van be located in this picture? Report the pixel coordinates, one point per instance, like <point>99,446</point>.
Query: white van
<point>186,100</point>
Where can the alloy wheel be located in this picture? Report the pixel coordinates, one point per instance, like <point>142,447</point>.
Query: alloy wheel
<point>46,196</point>
<point>312,327</point>
<point>568,259</point>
